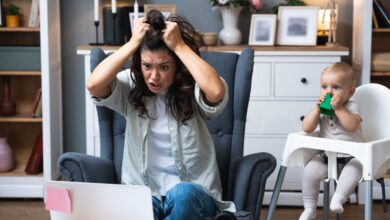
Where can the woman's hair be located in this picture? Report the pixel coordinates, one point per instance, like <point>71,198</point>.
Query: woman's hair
<point>181,93</point>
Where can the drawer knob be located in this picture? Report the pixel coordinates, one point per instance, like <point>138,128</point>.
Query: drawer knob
<point>303,80</point>
<point>302,117</point>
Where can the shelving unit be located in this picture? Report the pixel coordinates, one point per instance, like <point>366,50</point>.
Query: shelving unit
<point>380,39</point>
<point>369,40</point>
<point>366,41</point>
<point>26,76</point>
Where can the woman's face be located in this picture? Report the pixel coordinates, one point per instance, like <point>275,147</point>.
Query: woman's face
<point>158,69</point>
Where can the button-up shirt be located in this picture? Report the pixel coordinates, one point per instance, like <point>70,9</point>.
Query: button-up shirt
<point>192,146</point>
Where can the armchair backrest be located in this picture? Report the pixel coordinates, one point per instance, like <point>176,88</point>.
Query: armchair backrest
<point>227,130</point>
<point>374,104</point>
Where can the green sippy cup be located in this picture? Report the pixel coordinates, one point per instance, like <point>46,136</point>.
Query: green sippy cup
<point>325,106</point>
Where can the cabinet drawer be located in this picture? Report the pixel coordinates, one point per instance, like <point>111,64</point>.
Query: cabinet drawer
<point>298,79</point>
<point>275,146</point>
<point>276,117</point>
<point>261,80</point>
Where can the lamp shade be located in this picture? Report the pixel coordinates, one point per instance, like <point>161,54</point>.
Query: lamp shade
<point>323,21</point>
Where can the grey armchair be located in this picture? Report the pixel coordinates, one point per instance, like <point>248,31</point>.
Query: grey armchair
<point>243,178</point>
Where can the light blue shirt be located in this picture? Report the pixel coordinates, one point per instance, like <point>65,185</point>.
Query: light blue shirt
<point>192,146</point>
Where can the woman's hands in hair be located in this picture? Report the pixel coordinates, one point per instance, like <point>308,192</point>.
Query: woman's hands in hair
<point>172,35</point>
<point>139,30</point>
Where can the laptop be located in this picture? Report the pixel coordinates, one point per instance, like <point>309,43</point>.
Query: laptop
<point>97,201</point>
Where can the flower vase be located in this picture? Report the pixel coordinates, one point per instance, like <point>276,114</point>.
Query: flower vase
<point>230,34</point>
<point>7,105</point>
<point>6,156</point>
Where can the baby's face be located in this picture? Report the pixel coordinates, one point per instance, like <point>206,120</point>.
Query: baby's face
<point>338,84</point>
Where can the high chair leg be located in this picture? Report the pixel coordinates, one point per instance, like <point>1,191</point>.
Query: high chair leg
<point>368,202</point>
<point>275,194</point>
<point>325,214</point>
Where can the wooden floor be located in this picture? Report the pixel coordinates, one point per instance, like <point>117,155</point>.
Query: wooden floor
<point>33,209</point>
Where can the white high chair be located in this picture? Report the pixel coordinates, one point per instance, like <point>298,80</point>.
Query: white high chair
<point>374,154</point>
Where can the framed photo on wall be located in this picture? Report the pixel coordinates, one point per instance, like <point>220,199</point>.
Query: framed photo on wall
<point>166,9</point>
<point>262,29</point>
<point>297,25</point>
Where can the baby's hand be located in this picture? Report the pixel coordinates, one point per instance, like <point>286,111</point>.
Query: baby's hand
<point>320,100</point>
<point>336,103</point>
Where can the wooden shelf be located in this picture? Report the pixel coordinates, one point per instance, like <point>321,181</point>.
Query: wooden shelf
<point>381,30</point>
<point>23,118</point>
<point>19,73</point>
<point>18,171</point>
<point>19,29</point>
<point>380,73</point>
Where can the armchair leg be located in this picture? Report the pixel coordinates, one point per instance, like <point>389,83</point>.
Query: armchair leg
<point>325,214</point>
<point>368,202</point>
<point>275,194</point>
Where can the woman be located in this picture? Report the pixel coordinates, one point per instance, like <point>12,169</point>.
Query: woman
<point>165,97</point>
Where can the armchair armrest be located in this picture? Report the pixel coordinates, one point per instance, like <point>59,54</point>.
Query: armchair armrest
<point>251,176</point>
<point>80,167</point>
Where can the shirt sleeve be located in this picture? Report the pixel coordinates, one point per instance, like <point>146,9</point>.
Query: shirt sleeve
<point>207,110</point>
<point>353,107</point>
<point>119,98</point>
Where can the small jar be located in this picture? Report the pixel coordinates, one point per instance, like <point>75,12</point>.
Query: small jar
<point>6,156</point>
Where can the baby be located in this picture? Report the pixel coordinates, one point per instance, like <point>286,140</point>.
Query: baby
<point>338,80</point>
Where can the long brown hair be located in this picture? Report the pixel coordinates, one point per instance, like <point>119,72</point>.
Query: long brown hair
<point>181,93</point>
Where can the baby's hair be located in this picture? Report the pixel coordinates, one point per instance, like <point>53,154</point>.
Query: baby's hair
<point>343,68</point>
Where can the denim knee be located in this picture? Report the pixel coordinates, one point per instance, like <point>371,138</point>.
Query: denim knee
<point>188,201</point>
<point>190,190</point>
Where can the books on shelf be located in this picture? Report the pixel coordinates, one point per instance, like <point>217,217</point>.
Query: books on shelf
<point>35,161</point>
<point>37,104</point>
<point>381,14</point>
<point>374,20</point>
<point>33,20</point>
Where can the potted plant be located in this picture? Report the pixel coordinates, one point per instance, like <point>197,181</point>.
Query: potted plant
<point>12,16</point>
<point>288,3</point>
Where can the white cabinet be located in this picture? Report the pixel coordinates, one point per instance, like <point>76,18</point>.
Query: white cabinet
<point>16,183</point>
<point>285,85</point>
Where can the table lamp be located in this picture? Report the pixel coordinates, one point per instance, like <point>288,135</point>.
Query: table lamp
<point>323,26</point>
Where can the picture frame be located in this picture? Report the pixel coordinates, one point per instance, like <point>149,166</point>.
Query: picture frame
<point>166,9</point>
<point>131,18</point>
<point>297,25</point>
<point>262,30</point>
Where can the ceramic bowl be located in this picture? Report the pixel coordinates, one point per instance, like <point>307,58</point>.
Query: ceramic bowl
<point>210,38</point>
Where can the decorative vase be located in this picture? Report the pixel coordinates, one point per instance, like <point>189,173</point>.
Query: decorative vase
<point>12,21</point>
<point>7,105</point>
<point>230,34</point>
<point>6,156</point>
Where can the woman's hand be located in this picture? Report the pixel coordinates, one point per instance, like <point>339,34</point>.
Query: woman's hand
<point>172,36</point>
<point>140,28</point>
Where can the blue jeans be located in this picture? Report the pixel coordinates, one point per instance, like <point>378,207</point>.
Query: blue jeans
<point>184,201</point>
